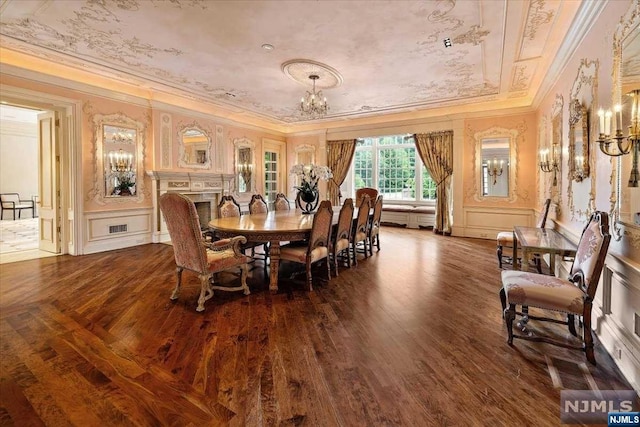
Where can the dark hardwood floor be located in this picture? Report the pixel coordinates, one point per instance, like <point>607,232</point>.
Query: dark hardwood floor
<point>413,336</point>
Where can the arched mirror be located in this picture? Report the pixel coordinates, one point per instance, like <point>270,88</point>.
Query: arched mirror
<point>626,79</point>
<point>495,158</point>
<point>119,149</point>
<point>195,147</point>
<point>305,154</point>
<point>244,163</point>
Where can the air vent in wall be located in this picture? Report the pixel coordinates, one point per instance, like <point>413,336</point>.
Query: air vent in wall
<point>117,228</point>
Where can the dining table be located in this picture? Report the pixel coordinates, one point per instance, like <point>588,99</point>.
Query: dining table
<point>273,227</point>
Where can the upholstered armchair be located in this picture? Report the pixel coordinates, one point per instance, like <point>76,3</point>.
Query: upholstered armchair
<point>373,233</point>
<point>281,203</point>
<point>341,239</point>
<point>318,245</point>
<point>505,238</point>
<point>361,192</point>
<point>572,296</point>
<point>359,233</point>
<point>192,253</point>
<point>13,202</point>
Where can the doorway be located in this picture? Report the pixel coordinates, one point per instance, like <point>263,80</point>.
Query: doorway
<point>23,166</point>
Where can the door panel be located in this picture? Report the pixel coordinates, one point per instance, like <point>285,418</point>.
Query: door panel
<point>48,181</point>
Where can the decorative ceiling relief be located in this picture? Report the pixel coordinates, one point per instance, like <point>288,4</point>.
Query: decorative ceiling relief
<point>203,50</point>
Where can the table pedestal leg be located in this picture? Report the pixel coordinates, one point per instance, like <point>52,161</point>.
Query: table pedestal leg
<point>274,255</point>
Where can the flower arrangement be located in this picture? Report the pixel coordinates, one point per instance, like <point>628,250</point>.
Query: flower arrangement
<point>310,175</point>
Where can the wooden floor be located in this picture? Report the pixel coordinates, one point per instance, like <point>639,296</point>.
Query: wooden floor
<point>413,336</point>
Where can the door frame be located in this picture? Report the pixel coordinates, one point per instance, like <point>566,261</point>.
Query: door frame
<point>70,152</point>
<point>282,163</point>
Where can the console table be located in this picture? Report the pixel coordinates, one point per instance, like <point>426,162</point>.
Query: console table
<point>540,241</point>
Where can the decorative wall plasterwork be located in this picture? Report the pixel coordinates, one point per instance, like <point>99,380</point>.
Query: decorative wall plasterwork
<point>181,127</point>
<point>628,22</point>
<point>585,89</point>
<point>556,138</point>
<point>238,143</point>
<point>219,149</point>
<point>516,136</point>
<point>537,17</point>
<point>166,141</point>
<point>97,191</point>
<point>544,141</point>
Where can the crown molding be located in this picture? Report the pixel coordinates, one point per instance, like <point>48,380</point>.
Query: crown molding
<point>581,25</point>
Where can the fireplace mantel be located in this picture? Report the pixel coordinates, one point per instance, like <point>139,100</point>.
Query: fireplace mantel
<point>198,186</point>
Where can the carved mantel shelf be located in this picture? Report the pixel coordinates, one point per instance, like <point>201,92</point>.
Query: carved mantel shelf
<point>191,181</point>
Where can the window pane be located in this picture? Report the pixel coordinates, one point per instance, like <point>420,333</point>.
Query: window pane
<point>428,186</point>
<point>396,173</point>
<point>363,169</point>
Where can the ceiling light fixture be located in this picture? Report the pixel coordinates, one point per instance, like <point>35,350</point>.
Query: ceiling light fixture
<point>267,46</point>
<point>313,105</point>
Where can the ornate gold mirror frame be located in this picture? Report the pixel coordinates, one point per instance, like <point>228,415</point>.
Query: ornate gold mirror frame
<point>496,133</point>
<point>628,31</point>
<point>103,191</point>
<point>195,146</point>
<point>578,141</point>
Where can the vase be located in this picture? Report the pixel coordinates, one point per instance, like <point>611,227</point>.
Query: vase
<point>307,201</point>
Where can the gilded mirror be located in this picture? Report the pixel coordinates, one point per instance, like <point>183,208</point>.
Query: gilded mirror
<point>119,157</point>
<point>305,154</point>
<point>578,141</point>
<point>495,167</point>
<point>625,208</point>
<point>195,147</point>
<point>244,165</point>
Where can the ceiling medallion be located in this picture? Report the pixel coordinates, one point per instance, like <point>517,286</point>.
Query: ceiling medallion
<point>313,104</point>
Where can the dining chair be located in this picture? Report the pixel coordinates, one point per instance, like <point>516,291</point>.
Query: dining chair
<point>361,192</point>
<point>572,296</point>
<point>228,207</point>
<point>359,232</point>
<point>258,205</point>
<point>505,238</point>
<point>281,203</point>
<point>373,232</point>
<point>318,245</point>
<point>341,239</point>
<point>194,254</point>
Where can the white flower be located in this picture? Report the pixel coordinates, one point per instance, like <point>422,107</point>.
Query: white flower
<point>310,175</point>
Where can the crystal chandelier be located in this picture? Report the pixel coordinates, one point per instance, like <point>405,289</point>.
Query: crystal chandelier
<point>313,105</point>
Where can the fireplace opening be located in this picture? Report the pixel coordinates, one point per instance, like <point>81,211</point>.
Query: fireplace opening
<point>204,213</point>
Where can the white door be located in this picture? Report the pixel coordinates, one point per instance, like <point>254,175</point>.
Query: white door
<point>274,164</point>
<point>48,183</point>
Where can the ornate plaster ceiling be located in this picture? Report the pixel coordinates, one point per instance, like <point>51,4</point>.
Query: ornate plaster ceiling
<point>389,54</point>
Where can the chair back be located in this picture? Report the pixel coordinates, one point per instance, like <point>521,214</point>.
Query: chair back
<point>183,224</point>
<point>591,253</point>
<point>10,197</point>
<point>377,212</point>
<point>281,203</point>
<point>542,219</point>
<point>345,221</point>
<point>361,192</point>
<point>257,205</point>
<point>228,207</point>
<point>321,228</point>
<point>363,216</point>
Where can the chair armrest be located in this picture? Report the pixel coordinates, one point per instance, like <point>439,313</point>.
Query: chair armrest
<point>13,205</point>
<point>226,244</point>
<point>28,201</point>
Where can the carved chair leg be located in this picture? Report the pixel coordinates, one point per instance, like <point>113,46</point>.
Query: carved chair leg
<point>586,331</point>
<point>309,282</point>
<point>364,245</point>
<point>348,256</point>
<point>538,262</point>
<point>176,291</point>
<point>205,290</point>
<point>329,268</point>
<point>571,323</point>
<point>378,242</point>
<point>335,262</point>
<point>243,279</point>
<point>509,316</point>
<point>354,250</point>
<point>499,252</point>
<point>503,300</point>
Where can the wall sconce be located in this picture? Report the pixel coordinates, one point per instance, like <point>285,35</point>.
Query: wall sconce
<point>620,148</point>
<point>493,169</point>
<point>550,163</point>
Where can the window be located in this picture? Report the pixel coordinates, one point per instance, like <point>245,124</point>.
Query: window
<point>392,165</point>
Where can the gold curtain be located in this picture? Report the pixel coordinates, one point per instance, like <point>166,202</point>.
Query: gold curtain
<point>339,159</point>
<point>436,152</point>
